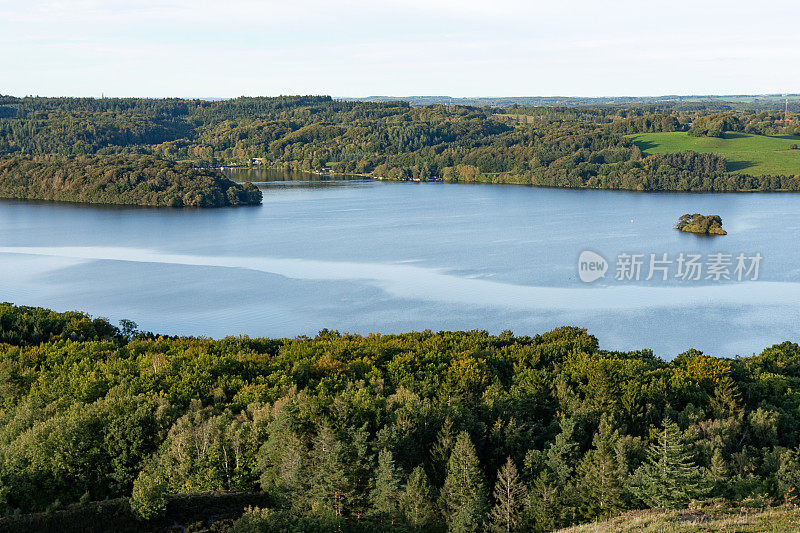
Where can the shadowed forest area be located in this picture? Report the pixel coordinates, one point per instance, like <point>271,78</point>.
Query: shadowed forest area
<point>577,147</point>
<point>458,431</point>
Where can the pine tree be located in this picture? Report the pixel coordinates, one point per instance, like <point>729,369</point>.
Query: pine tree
<point>510,496</point>
<point>601,483</point>
<point>330,490</point>
<point>416,500</point>
<point>669,478</point>
<point>545,501</point>
<point>358,461</point>
<point>283,463</point>
<point>463,495</point>
<point>440,451</point>
<point>727,398</point>
<point>562,453</point>
<point>718,474</point>
<point>385,493</point>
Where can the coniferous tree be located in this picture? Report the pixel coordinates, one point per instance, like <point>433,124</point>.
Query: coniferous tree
<point>385,493</point>
<point>718,474</point>
<point>416,500</point>
<point>601,479</point>
<point>440,451</point>
<point>727,398</point>
<point>282,464</point>
<point>562,453</point>
<point>358,461</point>
<point>463,495</point>
<point>669,478</point>
<point>330,488</point>
<point>510,496</point>
<point>544,502</point>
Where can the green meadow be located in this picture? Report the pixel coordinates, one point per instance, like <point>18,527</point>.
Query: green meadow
<point>746,154</point>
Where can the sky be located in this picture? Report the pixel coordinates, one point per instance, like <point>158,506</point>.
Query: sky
<point>200,48</point>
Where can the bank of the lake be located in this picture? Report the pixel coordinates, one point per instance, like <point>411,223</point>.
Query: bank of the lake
<point>130,179</point>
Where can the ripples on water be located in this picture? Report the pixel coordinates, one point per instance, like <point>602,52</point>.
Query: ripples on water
<point>358,255</point>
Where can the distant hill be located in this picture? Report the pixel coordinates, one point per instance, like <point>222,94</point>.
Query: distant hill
<point>733,101</point>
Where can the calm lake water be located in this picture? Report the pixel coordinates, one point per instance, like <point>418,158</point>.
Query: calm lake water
<point>365,256</point>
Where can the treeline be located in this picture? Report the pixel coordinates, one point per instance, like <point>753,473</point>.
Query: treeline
<point>456,431</point>
<point>553,146</point>
<point>120,179</point>
<point>765,123</point>
<point>679,171</point>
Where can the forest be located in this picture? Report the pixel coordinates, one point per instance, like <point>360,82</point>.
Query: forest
<point>425,431</point>
<point>551,146</point>
<point>127,179</point>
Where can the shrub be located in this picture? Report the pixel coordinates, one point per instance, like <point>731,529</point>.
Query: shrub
<point>149,498</point>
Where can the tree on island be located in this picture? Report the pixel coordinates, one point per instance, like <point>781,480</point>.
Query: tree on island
<point>701,224</point>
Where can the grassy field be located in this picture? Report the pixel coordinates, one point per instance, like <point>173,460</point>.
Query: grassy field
<point>776,520</point>
<point>746,154</point>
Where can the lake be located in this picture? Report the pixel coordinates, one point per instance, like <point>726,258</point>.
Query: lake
<point>368,256</point>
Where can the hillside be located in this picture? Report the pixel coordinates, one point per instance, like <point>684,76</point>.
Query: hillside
<point>424,430</point>
<point>574,147</point>
<point>745,153</point>
<point>742,520</point>
<point>130,179</point>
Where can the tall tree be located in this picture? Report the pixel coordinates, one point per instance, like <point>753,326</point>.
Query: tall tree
<point>385,493</point>
<point>440,451</point>
<point>669,478</point>
<point>510,496</point>
<point>463,495</point>
<point>562,454</point>
<point>416,500</point>
<point>545,501</point>
<point>601,479</point>
<point>331,488</point>
<point>283,465</point>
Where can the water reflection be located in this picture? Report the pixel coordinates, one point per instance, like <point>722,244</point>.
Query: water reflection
<point>362,255</point>
<point>276,179</point>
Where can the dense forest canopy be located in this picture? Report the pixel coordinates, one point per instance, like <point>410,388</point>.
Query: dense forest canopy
<point>578,146</point>
<point>458,431</point>
<point>130,179</point>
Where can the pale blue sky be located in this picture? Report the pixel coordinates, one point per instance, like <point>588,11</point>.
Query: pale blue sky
<point>409,47</point>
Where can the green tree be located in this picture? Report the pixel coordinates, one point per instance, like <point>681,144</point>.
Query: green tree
<point>789,475</point>
<point>463,496</point>
<point>385,493</point>
<point>440,451</point>
<point>416,500</point>
<point>562,454</point>
<point>718,473</point>
<point>148,499</point>
<point>669,478</point>
<point>601,480</point>
<point>545,502</point>
<point>331,490</point>
<point>510,496</point>
<point>283,465</point>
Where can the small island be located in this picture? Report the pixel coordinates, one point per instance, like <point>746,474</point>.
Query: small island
<point>701,224</point>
